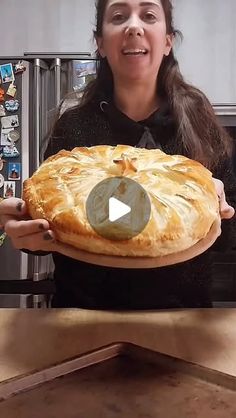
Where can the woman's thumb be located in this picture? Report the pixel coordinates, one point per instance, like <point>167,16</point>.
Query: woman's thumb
<point>13,206</point>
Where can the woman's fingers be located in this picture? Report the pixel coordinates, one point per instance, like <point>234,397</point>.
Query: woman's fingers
<point>33,235</point>
<point>41,241</point>
<point>226,211</point>
<point>13,206</point>
<point>16,228</point>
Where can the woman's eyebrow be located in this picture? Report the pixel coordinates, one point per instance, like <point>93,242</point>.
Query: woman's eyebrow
<point>149,3</point>
<point>143,3</point>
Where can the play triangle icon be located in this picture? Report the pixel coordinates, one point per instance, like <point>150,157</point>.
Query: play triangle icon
<point>117,209</point>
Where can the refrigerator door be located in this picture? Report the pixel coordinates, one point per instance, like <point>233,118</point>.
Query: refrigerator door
<point>47,82</point>
<point>14,263</point>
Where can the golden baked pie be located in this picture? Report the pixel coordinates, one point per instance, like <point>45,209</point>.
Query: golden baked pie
<point>184,202</point>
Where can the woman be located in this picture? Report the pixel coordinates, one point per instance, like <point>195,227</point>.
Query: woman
<point>139,98</point>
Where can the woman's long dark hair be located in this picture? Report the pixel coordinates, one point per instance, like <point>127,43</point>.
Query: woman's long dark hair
<point>199,131</point>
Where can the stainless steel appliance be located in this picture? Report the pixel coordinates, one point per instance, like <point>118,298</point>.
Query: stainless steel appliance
<point>46,80</point>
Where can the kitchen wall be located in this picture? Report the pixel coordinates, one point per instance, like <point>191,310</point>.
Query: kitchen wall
<point>46,26</point>
<point>207,55</point>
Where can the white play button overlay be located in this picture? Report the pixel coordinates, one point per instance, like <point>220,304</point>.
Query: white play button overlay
<point>117,209</point>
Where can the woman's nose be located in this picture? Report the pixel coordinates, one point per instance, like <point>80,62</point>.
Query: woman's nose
<point>134,28</point>
<point>134,31</point>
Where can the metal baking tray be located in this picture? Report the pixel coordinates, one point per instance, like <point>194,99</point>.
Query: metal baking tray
<point>120,380</point>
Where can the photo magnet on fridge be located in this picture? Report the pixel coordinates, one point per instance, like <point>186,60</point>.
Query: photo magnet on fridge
<point>84,68</point>
<point>9,189</point>
<point>14,135</point>
<point>10,151</point>
<point>7,74</point>
<point>2,111</point>
<point>11,90</point>
<point>10,122</point>
<point>1,181</point>
<point>14,171</point>
<point>5,140</point>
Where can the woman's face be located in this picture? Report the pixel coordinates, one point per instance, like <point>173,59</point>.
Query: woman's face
<point>134,38</point>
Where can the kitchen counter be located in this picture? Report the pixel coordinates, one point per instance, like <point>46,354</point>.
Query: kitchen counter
<point>34,339</point>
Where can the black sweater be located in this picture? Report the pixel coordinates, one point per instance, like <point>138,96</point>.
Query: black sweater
<point>84,285</point>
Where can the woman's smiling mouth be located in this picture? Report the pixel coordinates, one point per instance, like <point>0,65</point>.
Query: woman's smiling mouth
<point>134,51</point>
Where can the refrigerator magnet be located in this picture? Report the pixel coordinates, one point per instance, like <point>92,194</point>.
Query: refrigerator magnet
<point>13,135</point>
<point>1,181</point>
<point>9,189</point>
<point>2,94</point>
<point>4,136</point>
<point>10,122</point>
<point>12,105</point>
<point>11,90</point>
<point>2,238</point>
<point>14,171</point>
<point>19,67</point>
<point>1,160</point>
<point>2,111</point>
<point>10,151</point>
<point>7,74</point>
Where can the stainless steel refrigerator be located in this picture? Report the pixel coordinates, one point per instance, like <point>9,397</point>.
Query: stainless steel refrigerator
<point>31,89</point>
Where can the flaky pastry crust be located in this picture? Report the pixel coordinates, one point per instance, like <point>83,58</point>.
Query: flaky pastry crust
<point>184,202</point>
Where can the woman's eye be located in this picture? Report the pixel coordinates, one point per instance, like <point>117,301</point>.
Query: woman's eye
<point>150,17</point>
<point>117,18</point>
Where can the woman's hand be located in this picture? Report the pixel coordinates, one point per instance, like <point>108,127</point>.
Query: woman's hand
<point>226,211</point>
<point>32,235</point>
